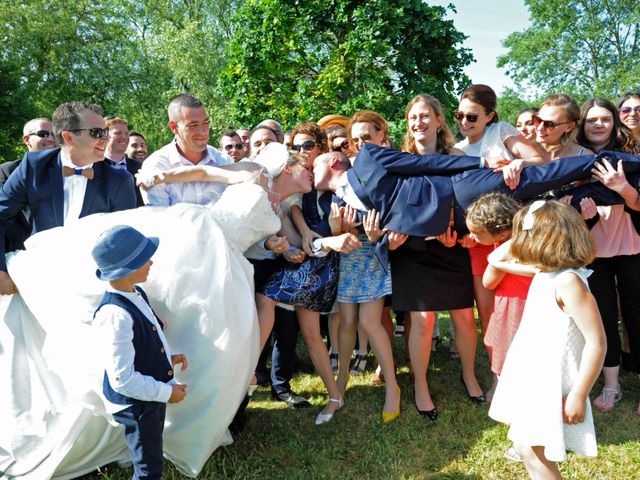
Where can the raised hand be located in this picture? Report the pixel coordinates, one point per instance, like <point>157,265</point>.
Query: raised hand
<point>448,238</point>
<point>371,223</point>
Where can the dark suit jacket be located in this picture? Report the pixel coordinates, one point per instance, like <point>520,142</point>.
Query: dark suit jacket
<point>412,199</point>
<point>411,192</point>
<point>133,166</point>
<point>19,228</point>
<point>37,183</point>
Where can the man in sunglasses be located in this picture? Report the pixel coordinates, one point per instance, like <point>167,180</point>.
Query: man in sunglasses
<point>63,184</point>
<point>231,144</point>
<point>115,151</point>
<point>189,122</point>
<point>37,135</point>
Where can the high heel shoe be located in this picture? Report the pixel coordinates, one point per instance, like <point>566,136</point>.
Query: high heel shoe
<point>479,400</point>
<point>326,417</point>
<point>252,388</point>
<point>391,416</point>
<point>430,414</point>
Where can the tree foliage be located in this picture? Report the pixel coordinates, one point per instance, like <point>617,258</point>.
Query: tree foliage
<point>130,57</point>
<point>296,60</point>
<point>582,47</point>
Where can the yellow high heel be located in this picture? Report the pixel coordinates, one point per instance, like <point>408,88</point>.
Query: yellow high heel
<point>391,416</point>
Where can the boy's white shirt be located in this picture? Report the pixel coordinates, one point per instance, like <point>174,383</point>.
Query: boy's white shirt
<point>116,325</point>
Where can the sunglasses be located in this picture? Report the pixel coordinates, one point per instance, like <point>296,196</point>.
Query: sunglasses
<point>93,132</point>
<point>229,147</point>
<point>548,125</point>
<point>627,110</point>
<point>459,116</point>
<point>42,133</point>
<point>343,146</point>
<point>306,146</point>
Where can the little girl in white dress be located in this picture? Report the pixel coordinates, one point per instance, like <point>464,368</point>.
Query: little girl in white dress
<point>559,348</point>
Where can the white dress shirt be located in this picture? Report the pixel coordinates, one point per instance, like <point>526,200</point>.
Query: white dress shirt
<point>117,329</point>
<point>345,192</point>
<point>166,194</point>
<point>74,187</point>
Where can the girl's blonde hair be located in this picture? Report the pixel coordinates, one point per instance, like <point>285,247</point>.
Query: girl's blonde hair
<point>444,140</point>
<point>493,212</point>
<point>374,118</point>
<point>558,237</point>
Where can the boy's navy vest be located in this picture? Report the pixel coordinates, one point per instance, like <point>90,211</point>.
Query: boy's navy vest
<point>315,220</point>
<point>150,358</point>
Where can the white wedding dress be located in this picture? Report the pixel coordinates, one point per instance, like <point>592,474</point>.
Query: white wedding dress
<point>54,421</point>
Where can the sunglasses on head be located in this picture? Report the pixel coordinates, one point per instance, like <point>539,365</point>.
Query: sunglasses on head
<point>42,133</point>
<point>93,132</point>
<point>343,146</point>
<point>627,110</point>
<point>306,146</point>
<point>548,125</point>
<point>459,116</point>
<point>229,147</point>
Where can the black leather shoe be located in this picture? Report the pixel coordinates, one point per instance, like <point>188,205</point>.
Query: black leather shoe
<point>430,414</point>
<point>291,399</point>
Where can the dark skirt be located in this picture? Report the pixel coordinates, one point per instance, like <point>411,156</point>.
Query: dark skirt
<point>427,276</point>
<point>312,284</point>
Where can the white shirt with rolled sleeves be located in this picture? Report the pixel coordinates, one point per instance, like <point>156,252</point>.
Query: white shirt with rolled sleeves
<point>166,194</point>
<point>117,329</point>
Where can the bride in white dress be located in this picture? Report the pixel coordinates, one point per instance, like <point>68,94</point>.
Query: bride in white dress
<point>55,420</point>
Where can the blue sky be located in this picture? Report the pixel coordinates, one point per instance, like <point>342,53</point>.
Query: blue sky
<point>487,24</point>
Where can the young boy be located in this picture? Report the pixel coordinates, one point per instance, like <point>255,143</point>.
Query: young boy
<point>139,373</point>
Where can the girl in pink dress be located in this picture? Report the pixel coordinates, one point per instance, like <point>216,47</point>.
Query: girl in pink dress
<point>489,221</point>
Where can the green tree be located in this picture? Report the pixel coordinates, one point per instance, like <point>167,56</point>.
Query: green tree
<point>581,47</point>
<point>300,60</point>
<point>130,57</point>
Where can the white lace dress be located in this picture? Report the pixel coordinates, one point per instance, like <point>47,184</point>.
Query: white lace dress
<point>539,371</point>
<point>54,421</point>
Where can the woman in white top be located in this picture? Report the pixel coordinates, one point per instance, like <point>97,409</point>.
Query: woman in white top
<point>486,136</point>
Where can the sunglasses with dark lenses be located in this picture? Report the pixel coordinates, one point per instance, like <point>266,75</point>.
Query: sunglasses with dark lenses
<point>93,132</point>
<point>627,110</point>
<point>548,125</point>
<point>459,116</point>
<point>42,133</point>
<point>306,146</point>
<point>229,147</point>
<point>343,146</point>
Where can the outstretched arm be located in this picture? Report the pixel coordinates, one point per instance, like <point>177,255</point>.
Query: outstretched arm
<point>228,174</point>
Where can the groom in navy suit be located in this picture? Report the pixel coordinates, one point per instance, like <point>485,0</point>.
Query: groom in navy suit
<point>415,194</point>
<point>63,184</point>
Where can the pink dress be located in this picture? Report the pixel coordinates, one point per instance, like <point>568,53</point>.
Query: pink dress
<point>509,302</point>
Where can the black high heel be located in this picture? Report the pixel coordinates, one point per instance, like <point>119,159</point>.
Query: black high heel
<point>479,400</point>
<point>430,414</point>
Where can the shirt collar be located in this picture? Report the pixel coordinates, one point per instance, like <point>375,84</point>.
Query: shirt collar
<point>65,160</point>
<point>176,159</point>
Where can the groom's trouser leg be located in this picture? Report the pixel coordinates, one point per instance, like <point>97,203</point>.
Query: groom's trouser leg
<point>285,336</point>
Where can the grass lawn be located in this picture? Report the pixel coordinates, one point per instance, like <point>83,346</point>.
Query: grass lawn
<point>282,443</point>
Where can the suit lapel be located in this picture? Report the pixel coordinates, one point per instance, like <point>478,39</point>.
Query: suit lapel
<point>92,189</point>
<point>57,190</point>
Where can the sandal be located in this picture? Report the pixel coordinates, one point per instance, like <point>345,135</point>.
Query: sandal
<point>333,358</point>
<point>511,454</point>
<point>608,398</point>
<point>359,364</point>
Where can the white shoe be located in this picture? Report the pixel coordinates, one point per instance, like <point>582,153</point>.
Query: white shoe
<point>252,388</point>
<point>326,417</point>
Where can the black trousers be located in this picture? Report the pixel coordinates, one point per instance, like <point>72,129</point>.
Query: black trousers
<point>612,278</point>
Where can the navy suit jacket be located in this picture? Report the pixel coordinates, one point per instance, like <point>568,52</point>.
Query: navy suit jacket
<point>20,227</point>
<point>414,197</point>
<point>37,184</point>
<point>412,193</point>
<point>133,166</point>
